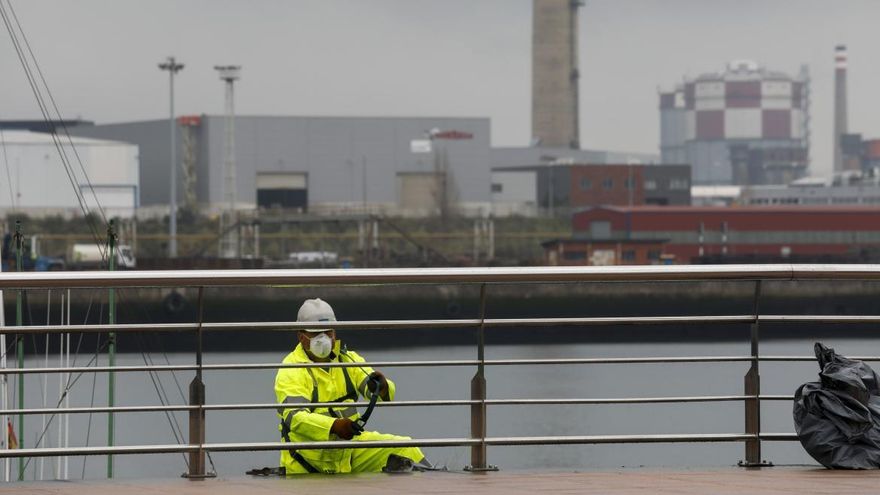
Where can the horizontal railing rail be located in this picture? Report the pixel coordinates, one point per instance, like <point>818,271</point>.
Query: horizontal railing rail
<point>478,402</point>
<point>425,442</point>
<point>361,276</point>
<point>414,364</point>
<point>406,403</point>
<point>440,324</point>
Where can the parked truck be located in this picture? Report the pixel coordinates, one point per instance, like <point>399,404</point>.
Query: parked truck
<point>31,259</point>
<point>87,256</point>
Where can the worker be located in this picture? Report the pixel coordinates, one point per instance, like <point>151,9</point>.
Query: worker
<point>295,388</point>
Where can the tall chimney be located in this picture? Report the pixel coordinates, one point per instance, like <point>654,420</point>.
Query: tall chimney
<point>840,127</point>
<point>555,73</point>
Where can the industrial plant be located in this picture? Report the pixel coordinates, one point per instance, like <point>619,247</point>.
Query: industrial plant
<point>737,138</point>
<point>744,125</point>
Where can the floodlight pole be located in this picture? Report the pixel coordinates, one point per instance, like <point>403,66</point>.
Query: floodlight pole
<point>172,67</point>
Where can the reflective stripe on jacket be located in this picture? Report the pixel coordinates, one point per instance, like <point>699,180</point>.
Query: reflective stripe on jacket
<point>296,388</point>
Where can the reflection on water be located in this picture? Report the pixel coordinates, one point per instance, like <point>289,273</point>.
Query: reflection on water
<point>615,380</point>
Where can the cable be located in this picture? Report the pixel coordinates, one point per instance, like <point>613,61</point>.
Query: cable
<point>70,381</point>
<point>54,414</point>
<point>160,388</point>
<point>57,111</point>
<point>8,175</point>
<point>46,117</point>
<point>172,419</point>
<point>91,404</point>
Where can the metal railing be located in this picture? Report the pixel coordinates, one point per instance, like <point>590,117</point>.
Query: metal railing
<point>478,403</point>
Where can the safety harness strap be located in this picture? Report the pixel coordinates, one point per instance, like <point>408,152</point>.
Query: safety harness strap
<point>285,433</point>
<point>350,394</point>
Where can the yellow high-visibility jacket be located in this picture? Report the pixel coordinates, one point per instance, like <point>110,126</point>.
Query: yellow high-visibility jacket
<point>296,388</point>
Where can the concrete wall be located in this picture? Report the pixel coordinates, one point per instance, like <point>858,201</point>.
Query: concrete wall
<point>514,193</point>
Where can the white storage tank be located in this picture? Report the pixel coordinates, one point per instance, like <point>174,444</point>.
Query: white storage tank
<point>34,179</point>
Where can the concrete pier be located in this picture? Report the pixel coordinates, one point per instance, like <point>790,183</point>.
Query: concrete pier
<point>776,480</point>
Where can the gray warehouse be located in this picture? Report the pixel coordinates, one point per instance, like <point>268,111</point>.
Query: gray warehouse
<point>395,165</point>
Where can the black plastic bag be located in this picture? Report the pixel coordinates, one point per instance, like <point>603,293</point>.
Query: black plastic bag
<point>838,418</point>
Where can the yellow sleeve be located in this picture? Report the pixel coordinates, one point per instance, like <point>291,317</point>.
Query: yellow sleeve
<point>293,390</point>
<point>359,375</point>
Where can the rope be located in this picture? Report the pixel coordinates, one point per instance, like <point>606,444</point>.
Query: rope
<point>41,103</point>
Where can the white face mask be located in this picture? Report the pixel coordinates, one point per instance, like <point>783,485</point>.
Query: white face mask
<point>321,345</point>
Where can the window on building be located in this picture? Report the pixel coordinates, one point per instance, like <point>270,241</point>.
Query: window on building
<point>608,183</point>
<point>654,254</point>
<point>574,255</point>
<point>628,255</point>
<point>586,184</point>
<point>650,185</point>
<point>629,183</point>
<point>679,184</point>
<point>497,188</point>
<point>600,229</point>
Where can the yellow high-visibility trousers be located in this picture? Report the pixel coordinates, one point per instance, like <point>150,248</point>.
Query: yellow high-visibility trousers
<point>370,460</point>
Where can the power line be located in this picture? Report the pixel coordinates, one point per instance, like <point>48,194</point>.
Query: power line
<point>57,111</point>
<point>41,103</point>
<point>8,175</point>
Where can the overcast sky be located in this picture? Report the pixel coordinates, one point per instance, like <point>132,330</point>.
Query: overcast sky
<point>430,58</point>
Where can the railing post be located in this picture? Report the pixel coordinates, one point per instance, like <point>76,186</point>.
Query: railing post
<point>111,346</point>
<point>19,345</point>
<point>197,416</point>
<point>478,393</point>
<point>752,388</point>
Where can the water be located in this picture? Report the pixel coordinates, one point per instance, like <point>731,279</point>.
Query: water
<point>575,381</point>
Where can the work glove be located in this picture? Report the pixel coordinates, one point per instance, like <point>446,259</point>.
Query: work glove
<point>344,428</point>
<point>383,384</point>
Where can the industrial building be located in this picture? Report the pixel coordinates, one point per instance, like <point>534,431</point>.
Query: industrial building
<point>856,192</point>
<point>745,125</point>
<point>558,189</point>
<point>390,165</point>
<point>101,174</point>
<point>726,234</point>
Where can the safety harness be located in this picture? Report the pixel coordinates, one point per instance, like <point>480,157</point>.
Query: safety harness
<point>350,394</point>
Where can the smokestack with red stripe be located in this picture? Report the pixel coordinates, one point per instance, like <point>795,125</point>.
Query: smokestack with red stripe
<point>840,127</point>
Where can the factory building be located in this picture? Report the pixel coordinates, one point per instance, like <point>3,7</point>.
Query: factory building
<point>726,234</point>
<point>845,188</point>
<point>558,189</point>
<point>101,174</point>
<point>745,125</point>
<point>389,165</point>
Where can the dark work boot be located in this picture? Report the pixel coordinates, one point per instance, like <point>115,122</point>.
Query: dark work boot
<point>398,464</point>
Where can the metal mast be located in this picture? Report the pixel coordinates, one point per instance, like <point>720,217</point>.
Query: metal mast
<point>228,248</point>
<point>172,67</point>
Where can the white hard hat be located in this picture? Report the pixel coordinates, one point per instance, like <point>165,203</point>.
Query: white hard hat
<point>315,310</point>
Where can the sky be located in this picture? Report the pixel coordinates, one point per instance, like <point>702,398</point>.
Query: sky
<point>469,58</point>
